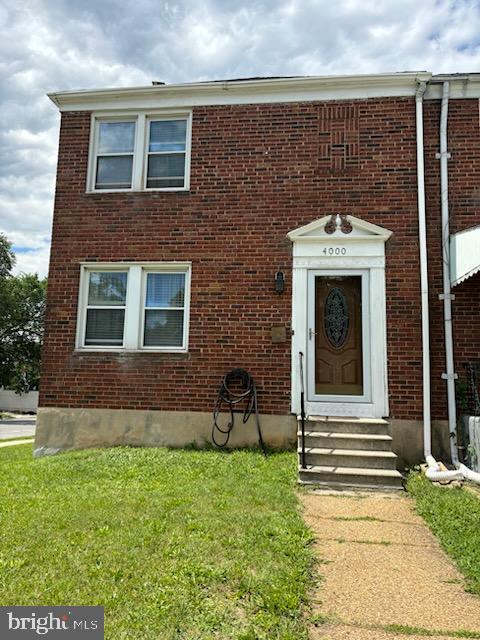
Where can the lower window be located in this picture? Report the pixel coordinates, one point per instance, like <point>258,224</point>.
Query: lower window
<point>164,310</point>
<point>134,307</point>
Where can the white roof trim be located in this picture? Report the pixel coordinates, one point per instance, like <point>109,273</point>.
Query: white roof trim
<point>243,92</point>
<point>464,255</point>
<point>461,86</point>
<point>361,230</point>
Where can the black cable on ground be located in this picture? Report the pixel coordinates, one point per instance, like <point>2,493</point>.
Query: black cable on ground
<point>245,391</point>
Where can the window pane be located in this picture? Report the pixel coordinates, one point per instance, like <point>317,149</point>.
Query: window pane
<point>116,137</point>
<point>166,171</point>
<point>168,135</point>
<point>114,172</point>
<point>164,183</point>
<point>163,328</point>
<point>105,327</point>
<point>165,290</point>
<point>107,288</point>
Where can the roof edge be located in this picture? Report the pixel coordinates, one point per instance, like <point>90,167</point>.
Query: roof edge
<point>462,85</point>
<point>244,91</point>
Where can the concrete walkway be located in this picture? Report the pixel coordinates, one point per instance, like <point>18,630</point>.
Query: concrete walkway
<point>17,427</point>
<point>381,567</point>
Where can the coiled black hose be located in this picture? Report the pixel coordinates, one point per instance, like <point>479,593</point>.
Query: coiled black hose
<point>245,391</point>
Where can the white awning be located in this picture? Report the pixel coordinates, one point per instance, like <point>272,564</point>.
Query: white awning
<point>464,254</point>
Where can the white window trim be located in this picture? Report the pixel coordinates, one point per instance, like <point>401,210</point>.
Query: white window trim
<point>134,307</point>
<point>140,151</point>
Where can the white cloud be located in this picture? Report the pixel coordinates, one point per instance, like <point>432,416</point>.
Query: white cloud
<point>34,261</point>
<point>52,45</point>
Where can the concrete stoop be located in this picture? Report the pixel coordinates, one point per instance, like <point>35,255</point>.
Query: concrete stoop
<point>348,453</point>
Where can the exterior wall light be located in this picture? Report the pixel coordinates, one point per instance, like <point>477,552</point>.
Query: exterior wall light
<point>279,282</point>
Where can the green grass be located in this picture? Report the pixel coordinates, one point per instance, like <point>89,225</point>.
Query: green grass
<point>357,519</point>
<point>174,544</point>
<point>401,629</point>
<point>385,543</point>
<point>454,517</point>
<point>320,619</point>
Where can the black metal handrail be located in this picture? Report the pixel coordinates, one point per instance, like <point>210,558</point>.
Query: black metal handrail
<point>302,411</point>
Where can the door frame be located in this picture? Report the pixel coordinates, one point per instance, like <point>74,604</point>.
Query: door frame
<point>366,332</point>
<point>353,245</point>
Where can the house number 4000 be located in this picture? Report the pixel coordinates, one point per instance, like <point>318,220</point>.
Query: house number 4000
<point>337,251</point>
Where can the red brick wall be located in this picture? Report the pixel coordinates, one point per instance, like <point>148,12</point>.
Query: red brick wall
<point>464,205</point>
<point>257,173</point>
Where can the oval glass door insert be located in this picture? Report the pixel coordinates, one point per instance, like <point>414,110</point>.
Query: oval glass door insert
<point>336,318</point>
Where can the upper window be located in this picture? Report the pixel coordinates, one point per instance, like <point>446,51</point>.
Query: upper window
<point>114,157</point>
<point>143,152</point>
<point>167,145</point>
<point>134,307</point>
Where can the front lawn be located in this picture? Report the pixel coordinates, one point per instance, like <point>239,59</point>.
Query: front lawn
<point>454,516</point>
<point>173,543</point>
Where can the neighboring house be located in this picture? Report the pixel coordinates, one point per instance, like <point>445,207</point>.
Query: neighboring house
<point>21,402</point>
<point>178,210</point>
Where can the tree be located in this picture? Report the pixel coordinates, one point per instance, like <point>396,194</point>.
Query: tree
<point>7,257</point>
<point>22,308</point>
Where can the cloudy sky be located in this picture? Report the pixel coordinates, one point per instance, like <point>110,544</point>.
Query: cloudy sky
<point>49,45</point>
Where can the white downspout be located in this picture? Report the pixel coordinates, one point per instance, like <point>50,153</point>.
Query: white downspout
<point>450,374</point>
<point>422,236</point>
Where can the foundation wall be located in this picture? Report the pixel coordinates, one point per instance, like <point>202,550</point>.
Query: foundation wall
<point>408,441</point>
<point>60,429</point>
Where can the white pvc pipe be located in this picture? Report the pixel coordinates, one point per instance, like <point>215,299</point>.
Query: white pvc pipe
<point>447,302</point>
<point>434,473</point>
<point>469,474</point>
<point>443,476</point>
<point>422,237</point>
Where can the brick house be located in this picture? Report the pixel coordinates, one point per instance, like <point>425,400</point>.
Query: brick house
<point>180,210</point>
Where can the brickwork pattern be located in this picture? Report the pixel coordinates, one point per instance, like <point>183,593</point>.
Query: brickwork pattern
<point>339,138</point>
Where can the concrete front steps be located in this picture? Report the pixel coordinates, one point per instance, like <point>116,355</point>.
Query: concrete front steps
<point>348,453</point>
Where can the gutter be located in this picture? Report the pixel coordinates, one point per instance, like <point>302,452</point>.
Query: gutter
<point>244,91</point>
<point>53,97</point>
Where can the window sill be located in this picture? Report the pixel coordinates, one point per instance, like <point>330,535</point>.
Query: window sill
<point>99,192</point>
<point>126,352</point>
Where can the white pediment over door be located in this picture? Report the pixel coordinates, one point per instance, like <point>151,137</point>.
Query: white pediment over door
<point>336,227</point>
